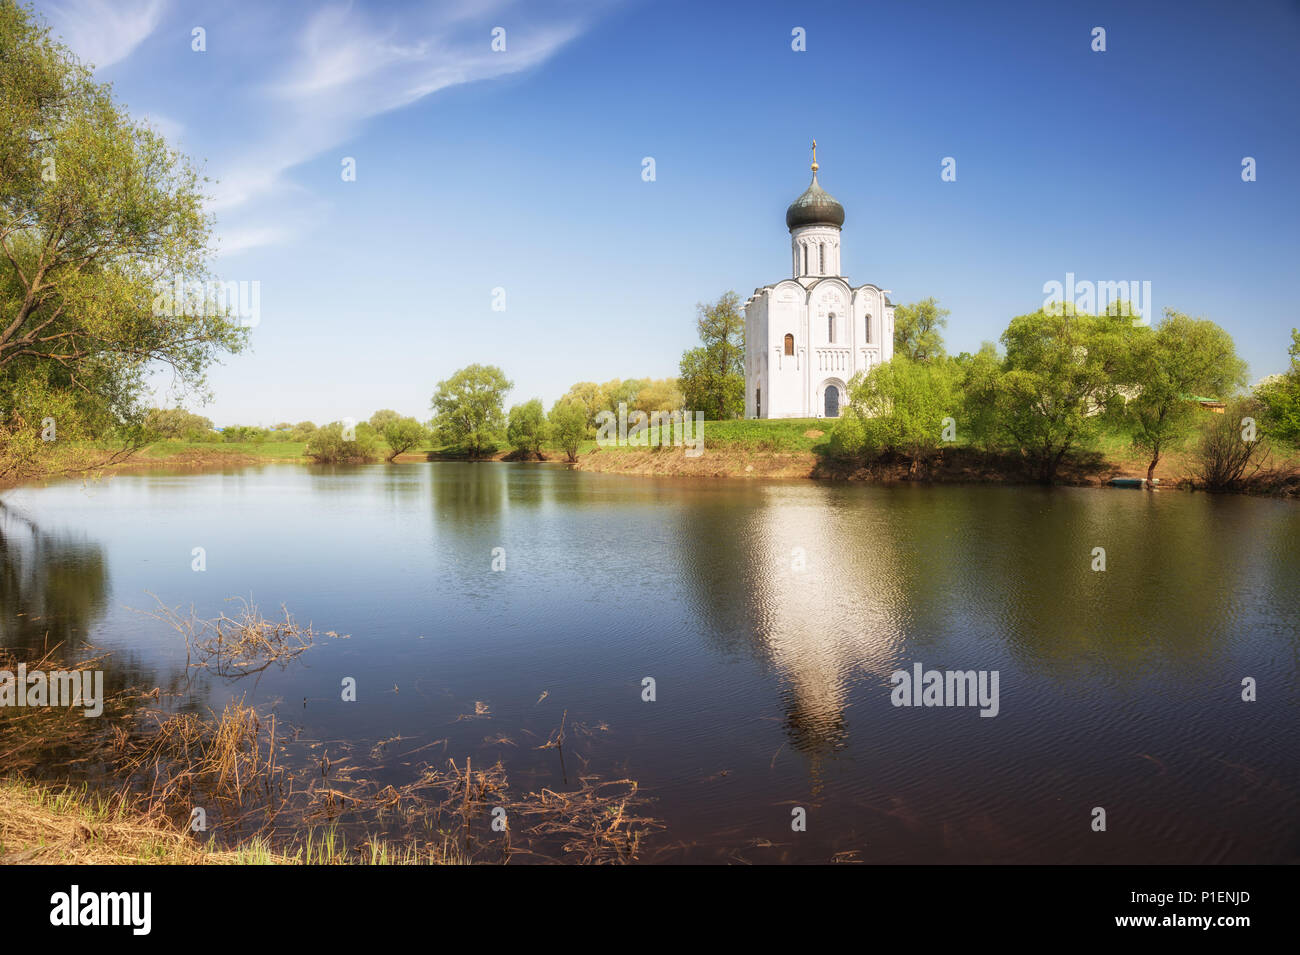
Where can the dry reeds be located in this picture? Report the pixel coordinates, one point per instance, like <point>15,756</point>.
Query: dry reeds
<point>243,644</point>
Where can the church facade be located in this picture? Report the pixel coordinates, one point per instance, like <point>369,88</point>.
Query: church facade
<point>808,335</point>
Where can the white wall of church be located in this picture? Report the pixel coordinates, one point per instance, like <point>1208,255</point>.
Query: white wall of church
<point>836,332</point>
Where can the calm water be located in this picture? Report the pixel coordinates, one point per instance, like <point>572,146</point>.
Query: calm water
<point>1118,689</point>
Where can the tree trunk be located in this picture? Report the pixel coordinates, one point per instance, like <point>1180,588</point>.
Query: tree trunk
<point>1151,468</point>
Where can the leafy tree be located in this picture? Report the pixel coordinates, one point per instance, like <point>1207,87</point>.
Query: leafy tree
<point>380,419</point>
<point>568,422</point>
<point>660,394</point>
<point>401,434</point>
<point>918,330</point>
<point>1180,359</point>
<point>1279,395</point>
<point>96,215</point>
<point>331,444</point>
<point>713,374</point>
<point>244,434</point>
<point>302,431</point>
<point>1059,374</point>
<point>592,398</point>
<point>177,424</point>
<point>900,407</point>
<point>527,427</point>
<point>977,424</point>
<point>468,407</point>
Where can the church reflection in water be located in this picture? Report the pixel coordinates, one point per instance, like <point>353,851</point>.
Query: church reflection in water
<point>820,615</point>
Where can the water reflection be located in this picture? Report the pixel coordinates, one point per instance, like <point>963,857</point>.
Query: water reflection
<point>772,615</point>
<point>53,586</point>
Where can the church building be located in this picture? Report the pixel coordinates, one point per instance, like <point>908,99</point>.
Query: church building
<point>807,336</point>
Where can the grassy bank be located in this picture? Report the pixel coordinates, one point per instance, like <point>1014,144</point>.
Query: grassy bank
<point>74,825</point>
<point>800,448</point>
<point>68,825</point>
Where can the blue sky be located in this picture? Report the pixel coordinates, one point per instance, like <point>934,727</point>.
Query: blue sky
<point>522,169</point>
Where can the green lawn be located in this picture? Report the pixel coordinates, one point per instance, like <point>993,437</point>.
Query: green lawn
<point>775,435</point>
<point>272,450</point>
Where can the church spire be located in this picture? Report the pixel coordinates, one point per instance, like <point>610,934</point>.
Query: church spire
<point>814,162</point>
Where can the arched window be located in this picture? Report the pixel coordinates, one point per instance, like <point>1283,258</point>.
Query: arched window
<point>830,327</point>
<point>868,337</point>
<point>789,344</point>
<point>805,261</point>
<point>822,253</point>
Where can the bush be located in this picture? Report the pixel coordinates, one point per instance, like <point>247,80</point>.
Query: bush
<point>1230,450</point>
<point>327,445</point>
<point>244,434</point>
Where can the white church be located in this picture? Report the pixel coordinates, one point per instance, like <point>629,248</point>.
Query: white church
<point>807,336</point>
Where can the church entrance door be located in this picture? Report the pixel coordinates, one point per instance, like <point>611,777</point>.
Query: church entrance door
<point>832,401</point>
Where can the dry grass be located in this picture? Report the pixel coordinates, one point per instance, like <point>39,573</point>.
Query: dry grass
<point>60,825</point>
<point>271,797</point>
<point>243,644</point>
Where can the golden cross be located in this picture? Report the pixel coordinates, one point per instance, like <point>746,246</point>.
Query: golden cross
<point>814,162</point>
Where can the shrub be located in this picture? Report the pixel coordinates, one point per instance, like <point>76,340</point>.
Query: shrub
<point>327,445</point>
<point>1230,450</point>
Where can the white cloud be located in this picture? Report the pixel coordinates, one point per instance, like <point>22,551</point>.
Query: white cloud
<point>103,32</point>
<point>348,66</point>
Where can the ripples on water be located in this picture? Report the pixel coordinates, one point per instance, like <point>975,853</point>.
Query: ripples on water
<point>771,616</point>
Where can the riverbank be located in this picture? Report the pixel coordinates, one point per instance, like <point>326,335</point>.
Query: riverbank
<point>66,825</point>
<point>790,449</point>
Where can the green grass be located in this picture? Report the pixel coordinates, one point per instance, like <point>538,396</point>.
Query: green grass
<point>272,450</point>
<point>779,435</point>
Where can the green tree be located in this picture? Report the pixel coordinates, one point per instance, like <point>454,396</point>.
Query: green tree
<point>381,418</point>
<point>1059,375</point>
<point>527,427</point>
<point>302,431</point>
<point>568,422</point>
<point>401,434</point>
<point>176,424</point>
<point>1180,359</point>
<point>97,215</point>
<point>468,408</point>
<point>713,374</point>
<point>900,407</point>
<point>1279,395</point>
<point>333,444</point>
<point>918,330</point>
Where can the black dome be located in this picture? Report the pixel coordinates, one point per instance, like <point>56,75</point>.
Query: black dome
<point>814,207</point>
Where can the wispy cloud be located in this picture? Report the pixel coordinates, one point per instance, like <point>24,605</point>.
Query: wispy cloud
<point>348,65</point>
<point>104,32</point>
<point>295,81</point>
